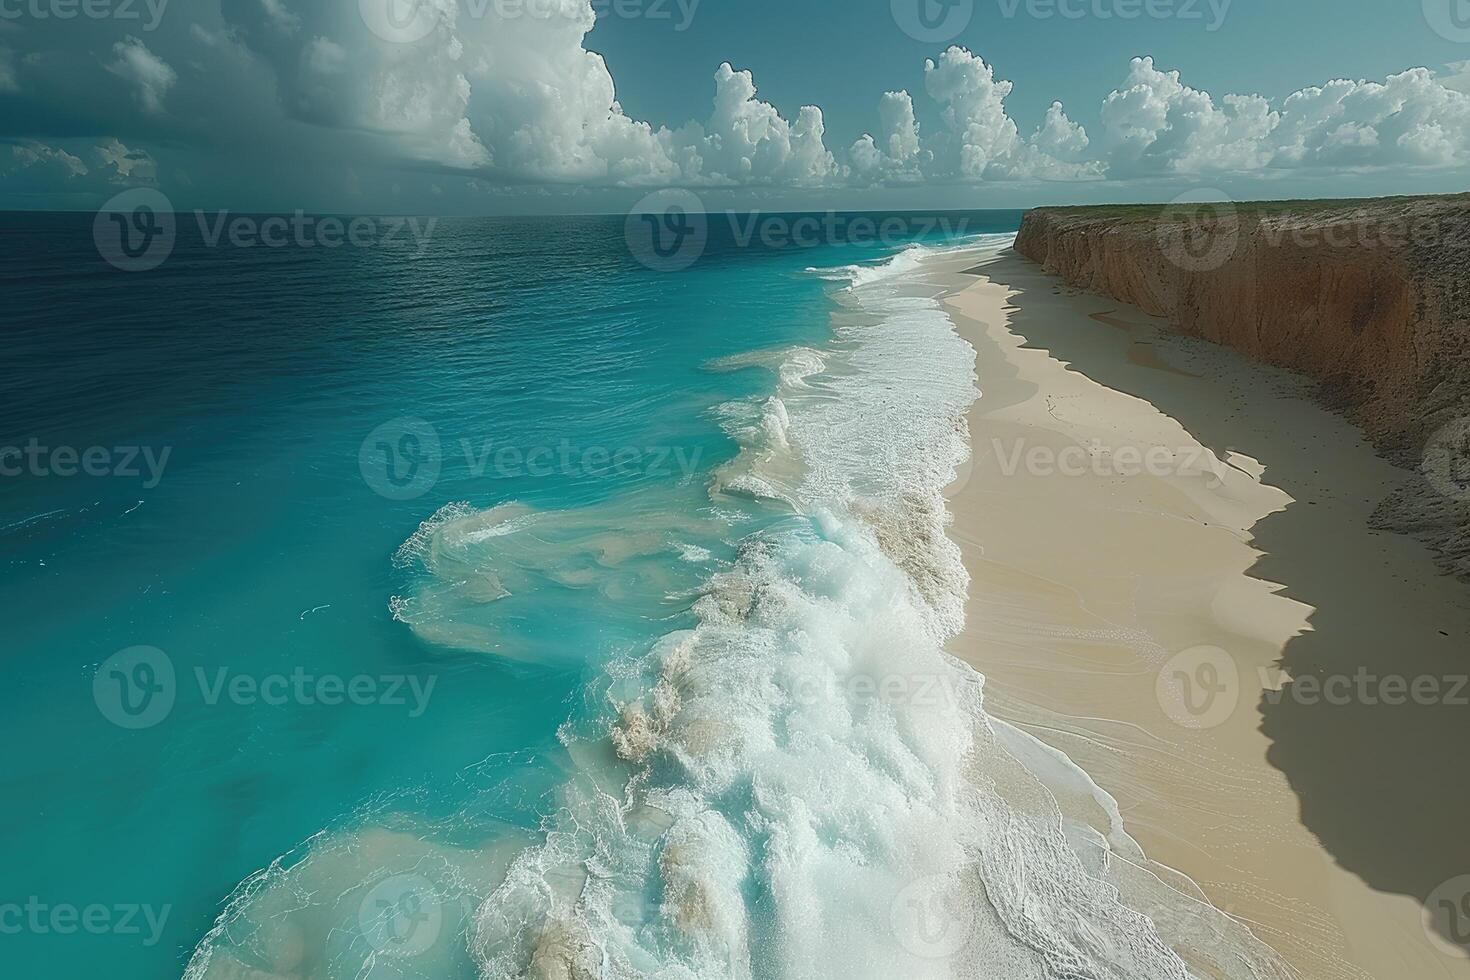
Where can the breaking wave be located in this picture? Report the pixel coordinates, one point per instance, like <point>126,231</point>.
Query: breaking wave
<point>794,779</point>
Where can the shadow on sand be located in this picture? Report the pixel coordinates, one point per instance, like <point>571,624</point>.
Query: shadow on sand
<point>1382,775</point>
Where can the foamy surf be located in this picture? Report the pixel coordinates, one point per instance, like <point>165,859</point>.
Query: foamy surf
<point>795,779</point>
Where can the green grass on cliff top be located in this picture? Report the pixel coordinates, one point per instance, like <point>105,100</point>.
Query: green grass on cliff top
<point>1140,211</point>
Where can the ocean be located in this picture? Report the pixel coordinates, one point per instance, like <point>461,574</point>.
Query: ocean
<point>515,597</point>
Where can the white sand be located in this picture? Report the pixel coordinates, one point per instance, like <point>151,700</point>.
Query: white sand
<point>1087,589</point>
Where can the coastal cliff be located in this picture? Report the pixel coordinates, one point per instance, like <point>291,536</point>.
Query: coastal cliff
<point>1372,298</point>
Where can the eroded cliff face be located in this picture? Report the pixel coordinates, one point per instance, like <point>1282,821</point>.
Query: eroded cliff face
<point>1369,297</point>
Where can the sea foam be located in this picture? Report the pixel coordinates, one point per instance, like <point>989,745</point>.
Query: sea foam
<point>795,779</point>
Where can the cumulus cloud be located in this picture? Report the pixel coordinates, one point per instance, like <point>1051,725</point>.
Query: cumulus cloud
<point>153,77</point>
<point>1410,119</point>
<point>900,154</point>
<point>331,71</point>
<point>979,140</point>
<point>42,161</point>
<point>979,131</point>
<point>1156,124</point>
<point>747,140</point>
<point>32,167</point>
<point>519,97</point>
<point>518,102</point>
<point>120,164</point>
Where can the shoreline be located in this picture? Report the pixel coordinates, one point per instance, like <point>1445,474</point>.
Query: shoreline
<point>1121,552</point>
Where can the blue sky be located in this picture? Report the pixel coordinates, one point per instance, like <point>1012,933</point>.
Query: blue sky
<point>486,106</point>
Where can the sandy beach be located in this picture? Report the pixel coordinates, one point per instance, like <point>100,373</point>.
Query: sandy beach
<point>1163,535</point>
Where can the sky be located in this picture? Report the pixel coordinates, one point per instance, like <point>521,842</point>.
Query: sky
<point>557,106</point>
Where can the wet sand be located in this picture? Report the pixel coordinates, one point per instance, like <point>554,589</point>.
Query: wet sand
<point>1162,536</point>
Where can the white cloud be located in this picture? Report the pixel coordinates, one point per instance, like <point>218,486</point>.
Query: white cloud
<point>1456,76</point>
<point>1155,124</point>
<point>518,101</point>
<point>31,167</point>
<point>1060,137</point>
<point>42,161</point>
<point>898,153</point>
<point>332,71</point>
<point>151,74</point>
<point>519,97</point>
<point>980,141</point>
<point>747,140</point>
<point>123,165</point>
<point>979,131</point>
<point>1412,118</point>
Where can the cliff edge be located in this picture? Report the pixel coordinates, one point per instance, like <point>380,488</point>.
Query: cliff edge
<point>1372,298</point>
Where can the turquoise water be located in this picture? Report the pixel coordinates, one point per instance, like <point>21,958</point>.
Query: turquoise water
<point>261,372</point>
<point>504,606</point>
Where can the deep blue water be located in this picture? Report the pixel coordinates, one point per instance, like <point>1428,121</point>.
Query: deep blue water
<point>266,406</point>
